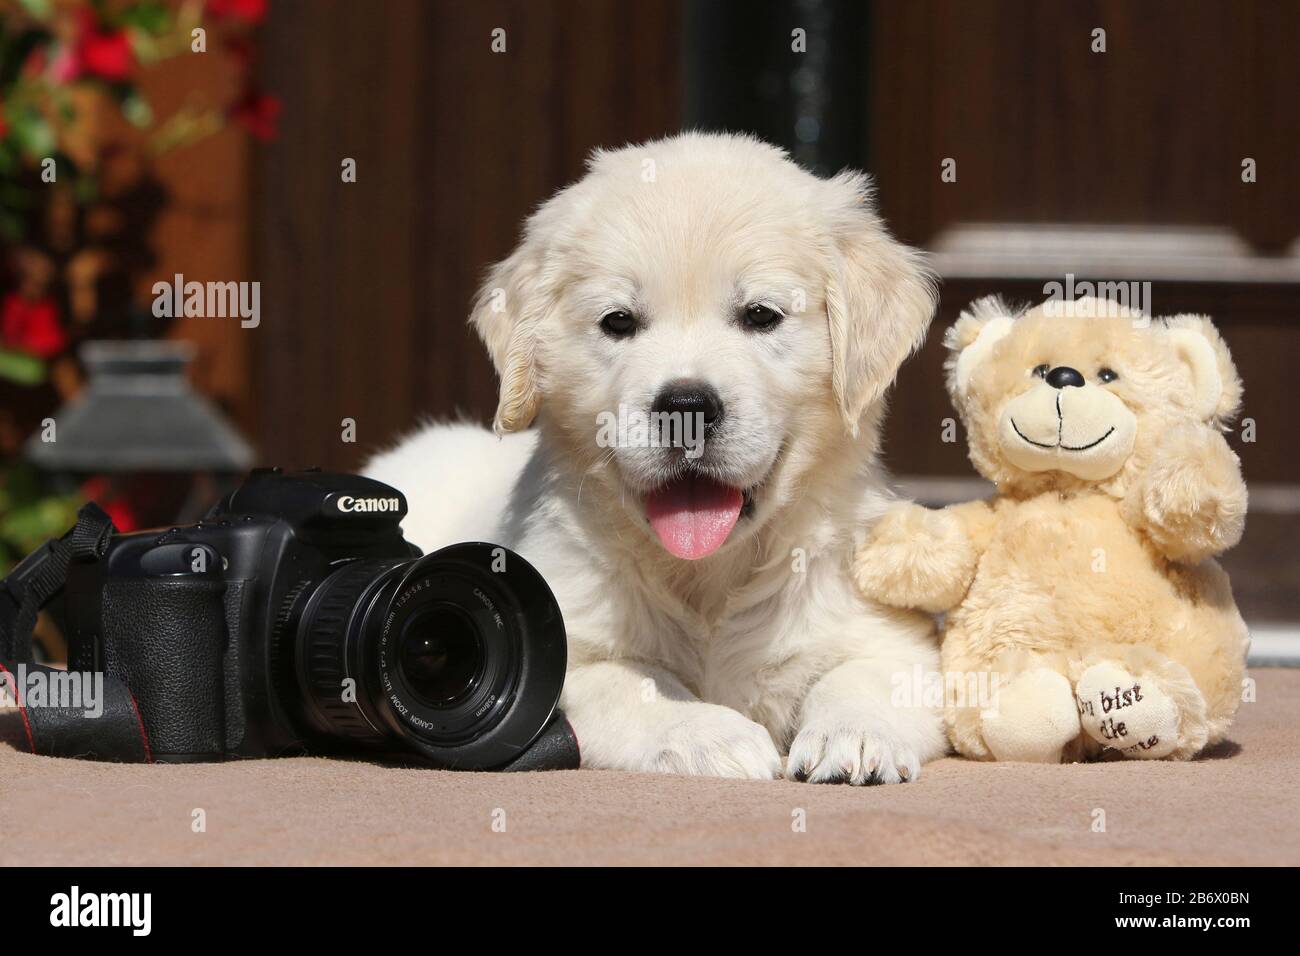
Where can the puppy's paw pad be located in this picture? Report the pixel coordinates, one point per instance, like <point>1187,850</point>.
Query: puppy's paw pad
<point>1130,714</point>
<point>848,754</point>
<point>713,741</point>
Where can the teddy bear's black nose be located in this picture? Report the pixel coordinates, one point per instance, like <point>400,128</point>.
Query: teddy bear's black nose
<point>1064,377</point>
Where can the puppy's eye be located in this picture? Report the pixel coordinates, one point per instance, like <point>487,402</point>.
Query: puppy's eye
<point>760,318</point>
<point>1040,371</point>
<point>618,324</point>
<point>1107,375</point>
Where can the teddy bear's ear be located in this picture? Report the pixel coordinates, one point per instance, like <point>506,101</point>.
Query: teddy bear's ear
<point>971,338</point>
<point>1215,383</point>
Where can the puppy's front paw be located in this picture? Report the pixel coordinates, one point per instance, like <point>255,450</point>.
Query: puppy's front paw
<point>707,740</point>
<point>849,753</point>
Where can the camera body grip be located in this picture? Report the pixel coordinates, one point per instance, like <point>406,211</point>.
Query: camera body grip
<point>165,638</point>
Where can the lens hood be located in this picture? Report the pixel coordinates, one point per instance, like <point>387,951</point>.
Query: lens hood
<point>517,640</point>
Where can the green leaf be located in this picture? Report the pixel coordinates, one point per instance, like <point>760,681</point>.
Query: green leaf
<point>21,368</point>
<point>153,18</point>
<point>38,9</point>
<point>22,485</point>
<point>33,133</point>
<point>39,521</point>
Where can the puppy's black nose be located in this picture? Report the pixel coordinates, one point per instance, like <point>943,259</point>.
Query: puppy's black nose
<point>1064,377</point>
<point>690,398</point>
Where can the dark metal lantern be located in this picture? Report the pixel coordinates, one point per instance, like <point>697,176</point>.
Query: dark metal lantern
<point>138,413</point>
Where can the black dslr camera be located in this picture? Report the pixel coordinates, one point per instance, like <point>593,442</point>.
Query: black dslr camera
<point>295,617</point>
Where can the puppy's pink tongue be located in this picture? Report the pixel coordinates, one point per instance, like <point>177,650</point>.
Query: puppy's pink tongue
<point>693,515</point>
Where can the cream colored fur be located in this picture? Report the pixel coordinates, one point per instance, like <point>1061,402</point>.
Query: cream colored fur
<point>763,657</point>
<point>1087,585</point>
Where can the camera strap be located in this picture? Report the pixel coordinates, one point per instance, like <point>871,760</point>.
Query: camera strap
<point>41,575</point>
<point>104,722</point>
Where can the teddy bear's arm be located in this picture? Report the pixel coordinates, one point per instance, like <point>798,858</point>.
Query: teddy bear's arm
<point>919,558</point>
<point>1191,501</point>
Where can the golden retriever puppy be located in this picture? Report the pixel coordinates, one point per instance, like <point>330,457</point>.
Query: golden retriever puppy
<point>701,334</point>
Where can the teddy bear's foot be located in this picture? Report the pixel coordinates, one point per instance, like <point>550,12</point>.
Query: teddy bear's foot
<point>1129,714</point>
<point>1033,718</point>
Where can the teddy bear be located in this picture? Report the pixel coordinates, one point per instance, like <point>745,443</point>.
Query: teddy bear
<point>1085,589</point>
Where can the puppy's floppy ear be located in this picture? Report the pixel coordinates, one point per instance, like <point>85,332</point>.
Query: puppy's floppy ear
<point>1216,386</point>
<point>880,298</point>
<point>507,312</point>
<point>971,338</point>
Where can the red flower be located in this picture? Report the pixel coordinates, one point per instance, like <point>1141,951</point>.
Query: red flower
<point>96,52</point>
<point>118,508</point>
<point>32,327</point>
<point>105,54</point>
<point>256,112</point>
<point>123,515</point>
<point>3,127</point>
<point>249,11</point>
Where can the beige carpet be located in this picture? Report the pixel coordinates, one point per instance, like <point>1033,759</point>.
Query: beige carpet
<point>1236,806</point>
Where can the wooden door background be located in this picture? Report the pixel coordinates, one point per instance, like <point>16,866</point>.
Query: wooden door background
<point>366,285</point>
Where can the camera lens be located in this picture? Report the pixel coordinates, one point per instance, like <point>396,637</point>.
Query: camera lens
<point>440,655</point>
<point>458,655</point>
